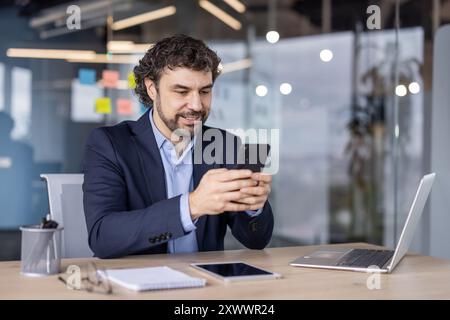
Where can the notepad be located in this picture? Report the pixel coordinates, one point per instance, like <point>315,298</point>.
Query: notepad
<point>155,278</point>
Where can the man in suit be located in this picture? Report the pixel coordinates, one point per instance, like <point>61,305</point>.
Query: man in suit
<point>145,191</point>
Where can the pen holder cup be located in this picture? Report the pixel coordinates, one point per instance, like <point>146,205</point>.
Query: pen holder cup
<point>41,251</point>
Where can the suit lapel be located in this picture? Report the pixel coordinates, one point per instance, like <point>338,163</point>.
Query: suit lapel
<point>199,169</point>
<point>150,158</point>
<point>153,168</point>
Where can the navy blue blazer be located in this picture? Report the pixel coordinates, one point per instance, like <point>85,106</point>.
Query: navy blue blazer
<point>125,203</point>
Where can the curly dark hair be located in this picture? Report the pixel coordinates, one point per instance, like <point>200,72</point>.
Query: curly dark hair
<point>173,52</point>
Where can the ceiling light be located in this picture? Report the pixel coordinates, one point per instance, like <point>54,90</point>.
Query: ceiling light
<point>400,90</point>
<point>285,88</point>
<point>261,90</point>
<point>109,58</point>
<point>414,88</point>
<point>236,65</point>
<point>145,17</point>
<point>326,55</point>
<point>220,14</point>
<point>236,5</point>
<point>49,53</point>
<point>127,47</point>
<point>272,36</point>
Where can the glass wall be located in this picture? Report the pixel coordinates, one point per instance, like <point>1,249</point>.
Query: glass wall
<point>348,89</point>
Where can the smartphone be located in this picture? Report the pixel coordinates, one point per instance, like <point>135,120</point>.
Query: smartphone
<point>252,156</point>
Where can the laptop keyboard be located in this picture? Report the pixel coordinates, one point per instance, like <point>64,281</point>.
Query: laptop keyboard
<point>364,258</point>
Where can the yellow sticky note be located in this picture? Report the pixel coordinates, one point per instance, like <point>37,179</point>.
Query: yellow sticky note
<point>103,105</point>
<point>131,80</point>
<point>110,78</point>
<point>124,107</point>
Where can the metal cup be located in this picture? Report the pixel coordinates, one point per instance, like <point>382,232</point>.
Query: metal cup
<point>41,251</point>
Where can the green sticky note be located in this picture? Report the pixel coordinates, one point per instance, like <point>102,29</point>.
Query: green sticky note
<point>131,80</point>
<point>103,105</point>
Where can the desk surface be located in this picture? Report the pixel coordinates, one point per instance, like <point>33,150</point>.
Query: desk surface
<point>416,277</point>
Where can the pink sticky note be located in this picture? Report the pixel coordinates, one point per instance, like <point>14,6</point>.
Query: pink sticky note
<point>124,107</point>
<point>110,78</point>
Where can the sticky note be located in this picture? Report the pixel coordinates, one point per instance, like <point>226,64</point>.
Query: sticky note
<point>110,78</point>
<point>103,105</point>
<point>82,102</point>
<point>124,107</point>
<point>131,80</point>
<point>87,76</point>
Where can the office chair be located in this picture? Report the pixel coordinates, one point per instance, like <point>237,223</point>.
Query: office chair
<point>65,197</point>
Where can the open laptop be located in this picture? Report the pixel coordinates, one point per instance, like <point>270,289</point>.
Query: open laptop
<point>368,260</point>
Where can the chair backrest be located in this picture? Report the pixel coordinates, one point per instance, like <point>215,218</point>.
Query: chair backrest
<point>65,197</point>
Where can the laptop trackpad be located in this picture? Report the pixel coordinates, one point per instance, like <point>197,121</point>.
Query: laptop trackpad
<point>325,254</point>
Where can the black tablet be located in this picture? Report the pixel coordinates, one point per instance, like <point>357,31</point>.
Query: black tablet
<point>235,271</point>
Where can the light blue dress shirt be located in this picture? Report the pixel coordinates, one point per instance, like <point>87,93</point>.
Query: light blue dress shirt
<point>179,181</point>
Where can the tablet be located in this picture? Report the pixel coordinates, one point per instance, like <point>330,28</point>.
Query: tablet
<point>235,271</point>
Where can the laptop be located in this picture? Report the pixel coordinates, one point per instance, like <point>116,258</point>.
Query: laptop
<point>371,260</point>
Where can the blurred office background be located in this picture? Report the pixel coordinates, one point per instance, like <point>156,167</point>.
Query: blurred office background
<point>353,105</point>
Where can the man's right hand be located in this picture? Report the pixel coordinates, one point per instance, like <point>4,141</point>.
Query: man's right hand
<point>218,191</point>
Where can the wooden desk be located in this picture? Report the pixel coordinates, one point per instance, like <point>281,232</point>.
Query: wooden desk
<point>416,277</point>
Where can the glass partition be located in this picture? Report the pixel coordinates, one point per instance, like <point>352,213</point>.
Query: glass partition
<point>347,88</point>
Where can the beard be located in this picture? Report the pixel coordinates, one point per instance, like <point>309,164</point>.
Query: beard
<point>173,125</point>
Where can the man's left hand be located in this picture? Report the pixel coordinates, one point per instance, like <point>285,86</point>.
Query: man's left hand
<point>257,196</point>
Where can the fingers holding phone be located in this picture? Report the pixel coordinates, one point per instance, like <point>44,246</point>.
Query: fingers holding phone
<point>244,188</point>
<point>219,191</point>
<point>254,157</point>
<point>256,196</point>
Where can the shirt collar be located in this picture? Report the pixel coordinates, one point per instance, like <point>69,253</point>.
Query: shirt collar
<point>160,138</point>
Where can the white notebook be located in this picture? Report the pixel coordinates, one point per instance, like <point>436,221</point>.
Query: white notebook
<point>155,278</point>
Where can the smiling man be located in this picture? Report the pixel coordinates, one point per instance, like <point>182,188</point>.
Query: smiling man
<point>144,194</point>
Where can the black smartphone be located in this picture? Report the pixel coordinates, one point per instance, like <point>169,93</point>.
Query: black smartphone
<point>252,156</point>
